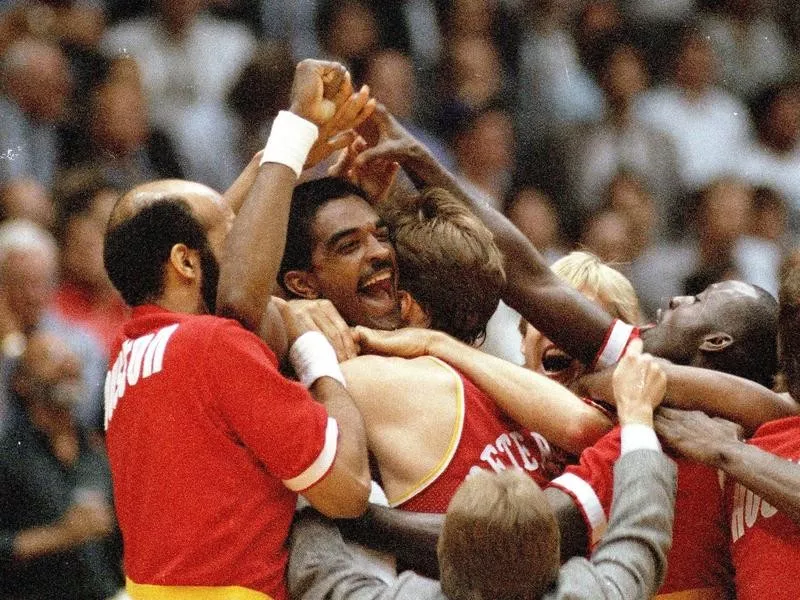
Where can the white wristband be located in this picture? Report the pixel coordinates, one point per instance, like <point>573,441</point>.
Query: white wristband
<point>312,357</point>
<point>638,436</point>
<point>289,141</point>
<point>617,338</point>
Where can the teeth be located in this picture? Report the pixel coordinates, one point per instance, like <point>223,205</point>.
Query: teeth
<point>376,278</point>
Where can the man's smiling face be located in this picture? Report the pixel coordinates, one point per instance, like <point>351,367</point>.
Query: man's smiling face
<point>353,263</point>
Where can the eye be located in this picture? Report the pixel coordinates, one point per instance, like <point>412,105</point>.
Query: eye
<point>347,247</point>
<point>382,235</point>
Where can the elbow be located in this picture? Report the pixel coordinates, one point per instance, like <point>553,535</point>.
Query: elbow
<point>352,502</point>
<point>585,432</point>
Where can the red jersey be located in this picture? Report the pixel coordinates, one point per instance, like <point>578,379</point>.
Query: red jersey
<point>208,446</point>
<point>698,562</point>
<point>483,437</point>
<point>765,542</point>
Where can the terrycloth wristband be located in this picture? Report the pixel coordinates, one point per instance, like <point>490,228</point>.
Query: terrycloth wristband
<point>312,357</point>
<point>617,338</point>
<point>289,141</point>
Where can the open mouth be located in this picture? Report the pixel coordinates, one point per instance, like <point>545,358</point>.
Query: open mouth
<point>378,285</point>
<point>554,361</point>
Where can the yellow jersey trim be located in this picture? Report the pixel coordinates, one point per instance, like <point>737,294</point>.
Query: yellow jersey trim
<point>142,591</point>
<point>452,446</point>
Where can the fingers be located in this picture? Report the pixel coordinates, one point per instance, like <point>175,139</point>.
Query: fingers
<point>343,90</point>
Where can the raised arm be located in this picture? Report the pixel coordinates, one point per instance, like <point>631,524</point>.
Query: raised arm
<point>713,392</point>
<point>299,137</point>
<point>564,315</point>
<point>715,443</point>
<point>531,399</point>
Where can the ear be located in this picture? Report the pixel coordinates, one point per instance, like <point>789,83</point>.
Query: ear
<point>301,283</point>
<point>412,314</point>
<point>716,341</point>
<point>185,262</point>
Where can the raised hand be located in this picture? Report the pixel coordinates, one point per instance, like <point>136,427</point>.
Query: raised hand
<point>639,386</point>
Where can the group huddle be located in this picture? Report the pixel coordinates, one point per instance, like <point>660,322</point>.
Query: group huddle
<point>356,383</point>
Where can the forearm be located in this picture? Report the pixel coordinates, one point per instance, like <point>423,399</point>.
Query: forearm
<point>237,193</point>
<point>722,395</point>
<point>254,246</point>
<point>560,312</point>
<point>347,486</point>
<point>411,537</point>
<point>775,479</point>
<point>534,401</point>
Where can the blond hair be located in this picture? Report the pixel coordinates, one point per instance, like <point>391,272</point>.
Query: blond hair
<point>500,540</point>
<point>591,276</point>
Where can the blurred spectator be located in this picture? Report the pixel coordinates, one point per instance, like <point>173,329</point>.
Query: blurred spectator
<point>709,127</point>
<point>57,532</point>
<point>770,218</point>
<point>607,235</point>
<point>595,153</point>
<point>26,199</point>
<point>189,61</point>
<point>484,152</point>
<point>392,80</point>
<point>750,45</point>
<point>117,137</point>
<point>292,21</point>
<point>348,32</point>
<point>533,213</point>
<point>85,296</point>
<point>554,87</point>
<point>718,248</point>
<point>28,279</point>
<point>774,159</point>
<point>36,85</point>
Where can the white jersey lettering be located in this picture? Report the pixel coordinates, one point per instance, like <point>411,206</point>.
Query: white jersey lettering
<point>138,359</point>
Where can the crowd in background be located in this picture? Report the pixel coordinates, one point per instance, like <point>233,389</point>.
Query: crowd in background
<point>663,135</point>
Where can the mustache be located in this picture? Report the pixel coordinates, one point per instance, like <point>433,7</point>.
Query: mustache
<point>376,267</point>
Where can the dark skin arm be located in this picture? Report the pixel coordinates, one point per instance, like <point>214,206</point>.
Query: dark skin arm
<point>715,393</point>
<point>560,312</point>
<point>715,442</point>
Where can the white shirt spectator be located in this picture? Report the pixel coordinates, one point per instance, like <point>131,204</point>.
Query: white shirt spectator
<point>709,133</point>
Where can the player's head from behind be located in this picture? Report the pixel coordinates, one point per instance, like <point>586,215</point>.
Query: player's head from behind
<point>339,248</point>
<point>730,326</point>
<point>162,245</point>
<point>789,331</point>
<point>499,541</point>
<point>599,282</point>
<point>449,265</point>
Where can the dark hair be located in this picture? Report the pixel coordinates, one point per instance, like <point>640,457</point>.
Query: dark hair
<point>307,199</point>
<point>136,250</point>
<point>753,323</point>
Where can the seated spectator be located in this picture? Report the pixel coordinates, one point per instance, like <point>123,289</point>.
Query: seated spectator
<point>28,278</point>
<point>751,45</point>
<point>36,87</point>
<point>774,158</point>
<point>117,137</point>
<point>58,537</point>
<point>189,61</point>
<point>708,127</point>
<point>26,199</point>
<point>85,295</point>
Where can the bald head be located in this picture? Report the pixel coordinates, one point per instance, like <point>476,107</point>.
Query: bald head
<point>148,221</point>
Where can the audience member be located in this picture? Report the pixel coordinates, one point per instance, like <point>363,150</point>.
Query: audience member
<point>58,537</point>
